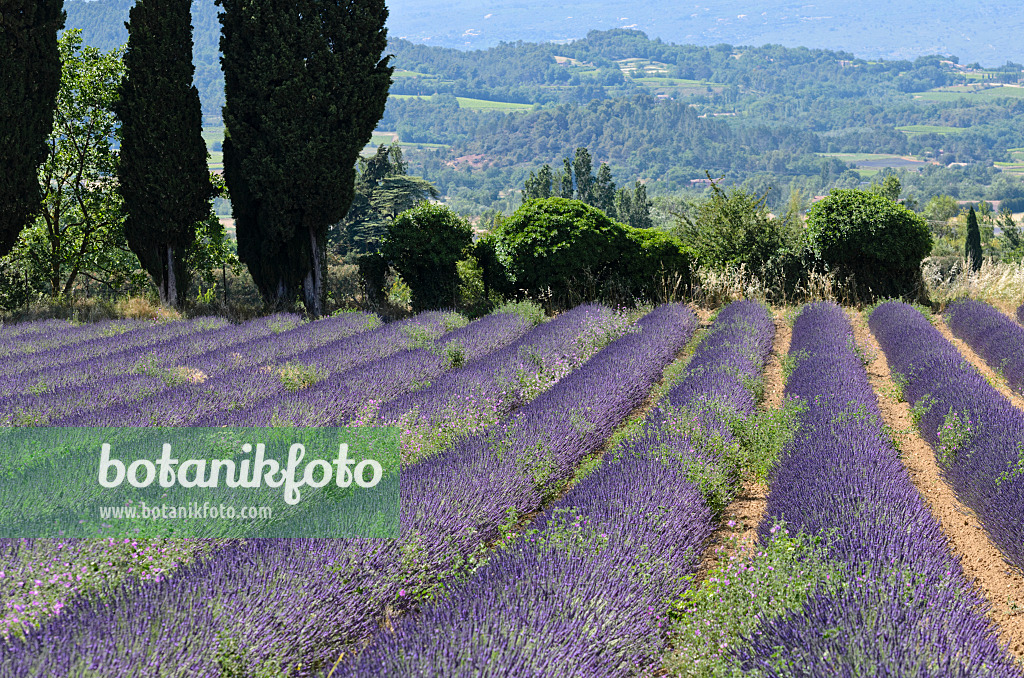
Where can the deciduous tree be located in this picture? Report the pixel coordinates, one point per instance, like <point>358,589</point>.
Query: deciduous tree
<point>424,244</point>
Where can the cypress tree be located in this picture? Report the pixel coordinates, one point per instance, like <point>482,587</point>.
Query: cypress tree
<point>29,80</point>
<point>305,85</point>
<point>162,172</point>
<point>972,248</point>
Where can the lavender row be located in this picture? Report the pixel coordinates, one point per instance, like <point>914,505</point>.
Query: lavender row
<point>348,395</point>
<point>246,382</point>
<point>46,337</point>
<point>24,367</point>
<point>588,584</point>
<point>156,359</point>
<point>470,400</point>
<point>993,336</point>
<point>977,434</point>
<point>296,604</point>
<point>471,341</point>
<point>12,330</point>
<point>906,607</point>
<point>129,375</point>
<point>1020,314</point>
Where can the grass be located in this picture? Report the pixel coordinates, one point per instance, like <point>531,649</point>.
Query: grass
<point>929,129</point>
<point>960,91</point>
<point>475,104</point>
<point>855,157</point>
<point>672,82</point>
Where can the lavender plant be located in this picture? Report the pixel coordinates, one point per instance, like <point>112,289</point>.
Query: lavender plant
<point>986,430</point>
<point>842,481</point>
<point>993,336</point>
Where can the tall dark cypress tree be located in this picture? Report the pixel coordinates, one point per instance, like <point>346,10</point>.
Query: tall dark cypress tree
<point>163,173</point>
<point>29,80</point>
<point>972,248</point>
<point>305,85</point>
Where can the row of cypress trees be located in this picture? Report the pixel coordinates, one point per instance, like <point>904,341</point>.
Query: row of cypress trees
<point>305,84</point>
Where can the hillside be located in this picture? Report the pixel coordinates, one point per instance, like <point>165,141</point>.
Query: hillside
<point>781,119</point>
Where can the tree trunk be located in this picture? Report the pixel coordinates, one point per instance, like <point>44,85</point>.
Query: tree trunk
<point>314,282</point>
<point>170,281</point>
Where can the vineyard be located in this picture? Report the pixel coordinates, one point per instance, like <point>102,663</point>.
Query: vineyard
<point>570,493</point>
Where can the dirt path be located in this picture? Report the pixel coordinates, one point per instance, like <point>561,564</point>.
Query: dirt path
<point>973,358</point>
<point>981,560</point>
<point>738,529</point>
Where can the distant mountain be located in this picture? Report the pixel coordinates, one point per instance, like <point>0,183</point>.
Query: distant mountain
<point>102,23</point>
<point>986,31</point>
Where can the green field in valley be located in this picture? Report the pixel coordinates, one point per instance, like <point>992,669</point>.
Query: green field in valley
<point>474,104</point>
<point>929,129</point>
<point>971,92</point>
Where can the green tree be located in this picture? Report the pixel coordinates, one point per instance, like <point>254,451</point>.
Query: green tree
<point>565,180</point>
<point>869,237</point>
<point>212,250</point>
<point>383,190</point>
<point>1011,237</point>
<point>604,190</point>
<point>972,247</point>
<point>733,229</point>
<point>582,167</point>
<point>305,85</point>
<point>576,252</point>
<point>29,80</point>
<point>80,231</point>
<point>163,174</point>
<point>941,208</point>
<point>889,188</point>
<point>538,185</point>
<point>424,244</point>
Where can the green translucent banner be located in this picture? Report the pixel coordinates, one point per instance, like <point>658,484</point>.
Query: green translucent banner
<point>199,482</point>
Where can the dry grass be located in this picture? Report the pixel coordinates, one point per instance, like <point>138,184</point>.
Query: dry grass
<point>998,284</point>
<point>715,288</point>
<point>94,310</point>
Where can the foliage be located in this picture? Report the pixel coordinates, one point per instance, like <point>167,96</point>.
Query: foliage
<point>304,85</point>
<point>528,310</point>
<point>383,190</point>
<point>424,244</point>
<point>493,272</point>
<point>740,594</point>
<point>577,181</point>
<point>869,237</point>
<point>972,247</point>
<point>29,79</point>
<point>80,232</point>
<point>731,229</point>
<point>213,250</point>
<point>162,174</point>
<point>565,247</point>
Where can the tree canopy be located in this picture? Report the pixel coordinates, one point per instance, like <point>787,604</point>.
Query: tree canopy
<point>305,85</point>
<point>29,79</point>
<point>869,237</point>
<point>163,175</point>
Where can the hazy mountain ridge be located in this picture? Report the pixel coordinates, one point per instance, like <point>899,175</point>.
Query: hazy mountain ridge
<point>986,31</point>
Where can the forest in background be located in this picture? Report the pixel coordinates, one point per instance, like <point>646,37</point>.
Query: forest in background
<point>790,123</point>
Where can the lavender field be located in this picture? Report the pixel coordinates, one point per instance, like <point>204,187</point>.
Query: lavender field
<point>563,486</point>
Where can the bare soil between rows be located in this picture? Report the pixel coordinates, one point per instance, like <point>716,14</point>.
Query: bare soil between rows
<point>747,508</point>
<point>981,561</point>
